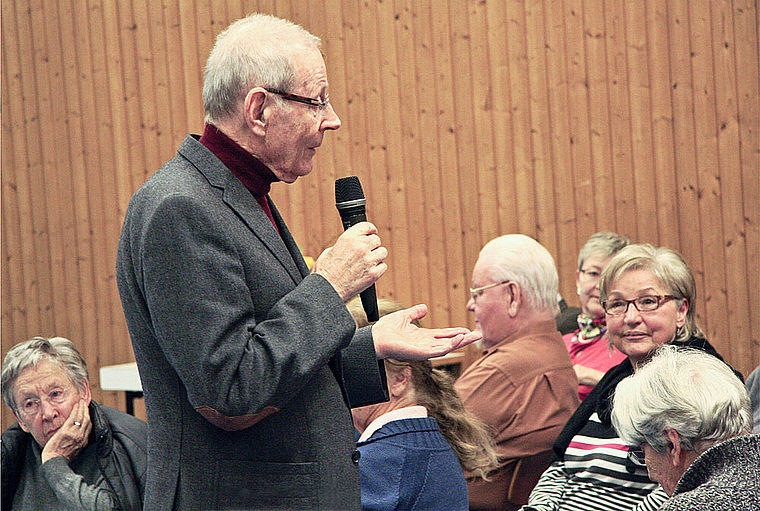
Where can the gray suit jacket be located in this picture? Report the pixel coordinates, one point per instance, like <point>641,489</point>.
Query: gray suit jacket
<point>246,359</point>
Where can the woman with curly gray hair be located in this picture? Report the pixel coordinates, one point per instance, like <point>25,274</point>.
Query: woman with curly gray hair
<point>688,417</point>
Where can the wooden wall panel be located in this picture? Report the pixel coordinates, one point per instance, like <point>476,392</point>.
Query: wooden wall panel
<point>465,120</point>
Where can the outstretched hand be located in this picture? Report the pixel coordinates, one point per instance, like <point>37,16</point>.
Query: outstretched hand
<point>72,436</point>
<point>395,336</point>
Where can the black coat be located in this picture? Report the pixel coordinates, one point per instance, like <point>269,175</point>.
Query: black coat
<point>121,441</point>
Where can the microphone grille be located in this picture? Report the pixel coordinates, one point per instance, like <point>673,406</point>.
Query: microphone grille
<point>348,189</point>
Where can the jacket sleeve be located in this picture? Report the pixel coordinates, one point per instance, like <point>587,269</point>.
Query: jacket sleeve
<point>186,269</point>
<point>547,494</point>
<point>73,491</point>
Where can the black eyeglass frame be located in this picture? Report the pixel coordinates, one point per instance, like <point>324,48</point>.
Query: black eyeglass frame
<point>319,103</point>
<point>636,455</point>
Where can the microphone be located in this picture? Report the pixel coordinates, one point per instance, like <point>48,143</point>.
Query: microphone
<point>352,206</point>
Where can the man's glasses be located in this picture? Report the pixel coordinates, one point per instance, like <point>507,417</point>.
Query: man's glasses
<point>648,303</point>
<point>31,406</point>
<point>475,293</point>
<point>320,103</point>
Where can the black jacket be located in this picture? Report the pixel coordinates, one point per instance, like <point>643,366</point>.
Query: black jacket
<point>121,442</point>
<point>600,399</point>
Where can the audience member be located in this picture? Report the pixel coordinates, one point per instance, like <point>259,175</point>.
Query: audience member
<point>415,446</point>
<point>523,386</point>
<point>688,417</point>
<point>246,357</point>
<point>589,346</point>
<point>649,298</point>
<point>67,451</point>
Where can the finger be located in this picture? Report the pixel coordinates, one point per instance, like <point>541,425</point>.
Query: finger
<point>416,312</point>
<point>362,228</point>
<point>442,333</point>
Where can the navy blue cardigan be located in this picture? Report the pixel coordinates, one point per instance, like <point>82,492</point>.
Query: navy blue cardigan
<point>408,464</point>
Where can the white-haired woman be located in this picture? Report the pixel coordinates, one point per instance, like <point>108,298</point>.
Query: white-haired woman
<point>648,295</point>
<point>689,418</point>
<point>67,451</point>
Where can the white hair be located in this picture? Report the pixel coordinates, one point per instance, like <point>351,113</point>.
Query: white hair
<point>684,389</point>
<point>522,259</point>
<point>252,51</point>
<point>56,350</point>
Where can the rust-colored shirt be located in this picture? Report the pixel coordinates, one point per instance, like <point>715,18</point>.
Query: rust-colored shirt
<point>524,388</point>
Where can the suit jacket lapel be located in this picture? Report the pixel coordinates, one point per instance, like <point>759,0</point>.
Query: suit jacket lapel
<point>240,200</point>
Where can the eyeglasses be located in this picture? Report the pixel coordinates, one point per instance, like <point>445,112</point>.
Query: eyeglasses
<point>636,455</point>
<point>648,303</point>
<point>31,406</point>
<point>320,103</point>
<point>590,275</point>
<point>478,291</point>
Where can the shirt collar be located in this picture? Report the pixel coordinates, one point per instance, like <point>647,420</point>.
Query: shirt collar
<point>256,176</point>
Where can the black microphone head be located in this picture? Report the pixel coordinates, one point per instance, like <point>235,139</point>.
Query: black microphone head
<point>348,189</point>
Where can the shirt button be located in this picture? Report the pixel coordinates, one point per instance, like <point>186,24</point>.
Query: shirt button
<point>355,457</point>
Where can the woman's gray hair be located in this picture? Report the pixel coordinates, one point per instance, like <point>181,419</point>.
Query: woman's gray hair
<point>253,51</point>
<point>56,350</point>
<point>665,265</point>
<point>684,389</point>
<point>522,259</point>
<point>604,243</point>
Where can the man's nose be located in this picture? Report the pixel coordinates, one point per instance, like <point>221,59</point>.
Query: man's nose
<point>331,120</point>
<point>471,304</point>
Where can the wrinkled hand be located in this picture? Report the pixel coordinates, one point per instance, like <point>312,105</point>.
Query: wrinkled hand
<point>70,438</point>
<point>396,337</point>
<point>355,262</point>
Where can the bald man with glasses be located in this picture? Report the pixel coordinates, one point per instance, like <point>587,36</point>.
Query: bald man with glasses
<point>523,386</point>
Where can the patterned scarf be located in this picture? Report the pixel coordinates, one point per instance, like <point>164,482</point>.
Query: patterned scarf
<point>589,328</point>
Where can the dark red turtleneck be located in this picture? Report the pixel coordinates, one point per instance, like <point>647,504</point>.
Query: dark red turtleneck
<point>256,176</point>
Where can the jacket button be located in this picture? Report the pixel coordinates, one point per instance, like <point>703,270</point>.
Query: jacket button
<point>355,457</point>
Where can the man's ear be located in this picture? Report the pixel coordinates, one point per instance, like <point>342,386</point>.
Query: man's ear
<point>674,451</point>
<point>254,111</point>
<point>515,295</point>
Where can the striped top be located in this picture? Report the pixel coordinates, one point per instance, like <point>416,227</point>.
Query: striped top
<point>596,474</point>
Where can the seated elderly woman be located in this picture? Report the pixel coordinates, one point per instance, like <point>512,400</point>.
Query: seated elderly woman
<point>415,447</point>
<point>590,351</point>
<point>649,298</point>
<point>689,415</point>
<point>67,451</point>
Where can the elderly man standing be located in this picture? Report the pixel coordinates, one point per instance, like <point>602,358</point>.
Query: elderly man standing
<point>523,386</point>
<point>248,361</point>
<point>67,451</point>
<point>688,417</point>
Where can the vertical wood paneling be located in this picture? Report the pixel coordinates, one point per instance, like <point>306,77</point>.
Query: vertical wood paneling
<point>464,119</point>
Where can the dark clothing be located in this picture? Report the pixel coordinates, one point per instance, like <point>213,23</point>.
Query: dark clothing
<point>726,477</point>
<point>246,359</point>
<point>407,464</point>
<point>592,468</point>
<point>109,473</point>
<point>600,399</point>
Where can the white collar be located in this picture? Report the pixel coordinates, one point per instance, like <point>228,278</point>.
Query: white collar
<point>408,412</point>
